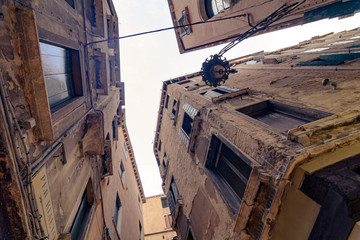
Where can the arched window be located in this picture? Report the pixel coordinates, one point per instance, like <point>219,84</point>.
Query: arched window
<point>214,7</point>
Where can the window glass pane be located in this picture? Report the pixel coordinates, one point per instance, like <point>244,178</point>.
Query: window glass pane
<point>56,63</point>
<point>81,218</point>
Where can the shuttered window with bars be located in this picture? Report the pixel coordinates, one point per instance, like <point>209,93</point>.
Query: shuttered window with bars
<point>188,122</point>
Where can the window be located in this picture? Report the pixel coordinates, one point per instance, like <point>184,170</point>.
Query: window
<point>61,68</point>
<point>140,231</point>
<point>184,82</point>
<point>164,202</point>
<point>183,21</point>
<point>124,149</point>
<point>214,7</point>
<point>218,92</point>
<point>100,74</point>
<point>173,114</point>
<point>187,125</point>
<point>71,3</point>
<point>117,214</point>
<point>167,101</point>
<point>164,164</point>
<point>231,170</point>
<point>82,216</point>
<point>95,14</point>
<point>159,145</point>
<point>330,60</point>
<point>122,171</point>
<point>173,196</point>
<point>168,220</point>
<point>174,109</point>
<point>281,116</point>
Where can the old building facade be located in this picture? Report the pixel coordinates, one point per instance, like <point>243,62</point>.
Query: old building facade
<point>241,16</point>
<point>157,219</point>
<point>67,166</point>
<point>273,153</point>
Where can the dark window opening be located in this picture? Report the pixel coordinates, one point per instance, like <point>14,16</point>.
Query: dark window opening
<point>117,214</point>
<point>61,67</point>
<point>71,3</point>
<point>164,202</point>
<point>114,129</point>
<point>184,82</point>
<point>167,101</point>
<point>357,170</point>
<point>281,116</point>
<point>82,216</point>
<point>190,235</point>
<point>159,145</point>
<point>140,231</point>
<point>174,107</point>
<point>121,171</point>
<point>164,164</point>
<point>231,170</point>
<point>187,124</point>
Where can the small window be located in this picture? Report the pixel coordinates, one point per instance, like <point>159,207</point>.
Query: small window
<point>164,164</point>
<point>172,196</point>
<point>124,149</point>
<point>187,125</point>
<point>218,91</point>
<point>164,202</point>
<point>159,146</point>
<point>184,22</point>
<point>281,116</point>
<point>122,171</point>
<point>174,109</point>
<point>231,171</point>
<point>184,82</point>
<point>71,3</point>
<point>214,7</point>
<point>117,214</point>
<point>167,101</point>
<point>61,68</point>
<point>140,231</point>
<point>82,216</point>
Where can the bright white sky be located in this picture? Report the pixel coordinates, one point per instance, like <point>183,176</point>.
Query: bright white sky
<point>148,60</point>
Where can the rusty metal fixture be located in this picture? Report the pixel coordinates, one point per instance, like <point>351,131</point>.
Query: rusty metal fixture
<point>215,70</point>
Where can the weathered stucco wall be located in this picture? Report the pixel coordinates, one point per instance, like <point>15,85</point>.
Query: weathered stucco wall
<point>277,77</point>
<point>75,147</point>
<point>249,14</point>
<point>155,226</point>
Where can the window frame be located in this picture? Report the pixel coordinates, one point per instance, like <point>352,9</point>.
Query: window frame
<point>184,20</point>
<point>76,76</point>
<point>306,114</point>
<point>229,195</point>
<point>117,218</point>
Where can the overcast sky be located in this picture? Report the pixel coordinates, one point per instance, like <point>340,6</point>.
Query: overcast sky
<point>148,60</point>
